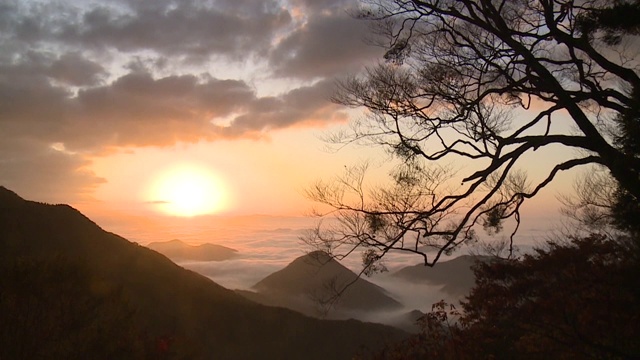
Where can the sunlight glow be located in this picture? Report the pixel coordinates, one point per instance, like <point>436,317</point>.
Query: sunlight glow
<point>187,190</point>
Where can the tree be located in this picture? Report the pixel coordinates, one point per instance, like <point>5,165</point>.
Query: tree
<point>495,84</point>
<point>591,205</point>
<point>576,299</point>
<point>54,308</point>
<point>571,300</point>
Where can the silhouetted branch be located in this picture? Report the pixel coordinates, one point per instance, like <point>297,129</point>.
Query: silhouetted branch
<point>484,82</point>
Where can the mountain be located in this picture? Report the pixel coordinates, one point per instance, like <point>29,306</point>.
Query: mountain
<point>456,275</point>
<point>312,281</point>
<point>179,250</point>
<point>407,321</point>
<point>72,290</point>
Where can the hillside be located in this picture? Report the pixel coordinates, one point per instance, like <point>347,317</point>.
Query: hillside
<point>455,275</point>
<point>308,282</point>
<point>65,260</point>
<point>178,250</point>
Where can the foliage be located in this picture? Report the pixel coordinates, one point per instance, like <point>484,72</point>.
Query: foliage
<point>614,21</point>
<point>591,205</point>
<point>54,309</point>
<point>626,207</point>
<point>494,85</point>
<point>574,300</point>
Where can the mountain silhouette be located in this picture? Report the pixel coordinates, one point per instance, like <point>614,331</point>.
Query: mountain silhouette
<point>455,275</point>
<point>8,197</point>
<point>76,291</point>
<point>315,281</point>
<point>179,250</point>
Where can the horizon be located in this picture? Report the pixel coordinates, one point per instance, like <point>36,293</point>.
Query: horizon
<point>272,243</point>
<point>268,243</point>
<point>156,140</point>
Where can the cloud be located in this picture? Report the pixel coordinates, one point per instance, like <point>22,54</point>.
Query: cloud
<point>74,69</point>
<point>184,28</point>
<point>67,89</point>
<point>44,173</point>
<point>308,104</point>
<point>140,110</point>
<point>94,77</point>
<point>330,43</point>
<point>235,273</point>
<point>318,6</point>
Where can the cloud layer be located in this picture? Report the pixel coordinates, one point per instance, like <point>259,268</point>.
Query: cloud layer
<point>79,79</point>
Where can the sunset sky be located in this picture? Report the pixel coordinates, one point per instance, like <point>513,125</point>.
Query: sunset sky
<point>113,106</point>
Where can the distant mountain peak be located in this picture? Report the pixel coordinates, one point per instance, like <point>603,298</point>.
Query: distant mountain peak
<point>179,250</point>
<point>319,276</point>
<point>317,256</point>
<point>317,253</point>
<point>161,299</point>
<point>455,275</point>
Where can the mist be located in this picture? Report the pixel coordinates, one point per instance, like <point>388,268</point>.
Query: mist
<point>268,244</point>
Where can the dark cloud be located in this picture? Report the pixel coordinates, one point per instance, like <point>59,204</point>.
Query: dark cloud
<point>45,174</point>
<point>330,43</point>
<point>181,28</point>
<point>320,6</point>
<point>308,104</point>
<point>87,77</point>
<point>74,69</point>
<point>31,105</point>
<point>139,110</point>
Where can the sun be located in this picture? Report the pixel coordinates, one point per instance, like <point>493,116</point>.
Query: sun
<point>187,190</point>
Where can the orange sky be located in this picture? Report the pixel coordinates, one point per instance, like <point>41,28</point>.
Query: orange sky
<point>258,177</point>
<point>255,176</point>
<point>101,111</point>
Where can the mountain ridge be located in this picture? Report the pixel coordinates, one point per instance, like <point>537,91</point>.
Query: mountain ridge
<point>205,319</point>
<point>319,278</point>
<point>179,250</point>
<point>455,275</point>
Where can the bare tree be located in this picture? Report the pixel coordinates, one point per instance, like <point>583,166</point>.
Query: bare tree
<point>590,207</point>
<point>487,81</point>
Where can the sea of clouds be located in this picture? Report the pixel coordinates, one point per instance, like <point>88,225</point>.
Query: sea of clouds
<point>267,244</point>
